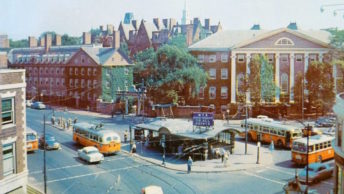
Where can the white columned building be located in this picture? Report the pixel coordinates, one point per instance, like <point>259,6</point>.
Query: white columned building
<point>233,77</point>
<point>277,78</point>
<point>291,85</point>
<point>248,71</point>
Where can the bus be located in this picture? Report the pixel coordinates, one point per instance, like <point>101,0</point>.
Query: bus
<point>31,140</point>
<point>319,146</point>
<point>267,130</point>
<point>107,141</point>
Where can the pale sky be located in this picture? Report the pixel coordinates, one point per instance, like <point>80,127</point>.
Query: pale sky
<point>22,18</point>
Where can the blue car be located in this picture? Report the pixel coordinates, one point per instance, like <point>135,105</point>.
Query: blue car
<point>49,142</point>
<point>316,172</point>
<point>38,105</point>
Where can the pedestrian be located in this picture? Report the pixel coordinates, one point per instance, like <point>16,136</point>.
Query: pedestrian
<point>222,157</point>
<point>133,149</point>
<point>163,160</point>
<point>125,136</point>
<point>189,164</point>
<point>75,120</point>
<point>225,159</point>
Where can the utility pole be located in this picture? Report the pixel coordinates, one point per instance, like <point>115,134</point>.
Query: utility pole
<point>44,159</point>
<point>307,168</point>
<point>163,145</point>
<point>246,129</point>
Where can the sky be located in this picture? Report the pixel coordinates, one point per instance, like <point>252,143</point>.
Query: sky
<point>22,18</point>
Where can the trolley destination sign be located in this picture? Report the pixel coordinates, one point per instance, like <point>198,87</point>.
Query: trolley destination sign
<point>203,119</point>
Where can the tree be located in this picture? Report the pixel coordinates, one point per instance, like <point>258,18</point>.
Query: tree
<point>70,40</point>
<point>267,84</point>
<point>19,43</point>
<point>178,41</point>
<point>169,72</point>
<point>124,48</point>
<point>254,80</point>
<point>298,89</point>
<point>320,84</point>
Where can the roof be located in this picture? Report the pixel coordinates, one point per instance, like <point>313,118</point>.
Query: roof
<point>315,139</point>
<point>150,27</point>
<point>271,123</point>
<point>184,128</point>
<point>126,29</point>
<point>231,39</point>
<point>92,128</point>
<point>100,55</point>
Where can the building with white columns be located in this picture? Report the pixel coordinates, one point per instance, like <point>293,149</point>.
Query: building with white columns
<point>226,57</point>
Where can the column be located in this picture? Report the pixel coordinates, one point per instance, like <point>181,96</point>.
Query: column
<point>291,76</point>
<point>321,57</point>
<point>248,71</point>
<point>233,77</point>
<point>277,77</point>
<point>306,63</point>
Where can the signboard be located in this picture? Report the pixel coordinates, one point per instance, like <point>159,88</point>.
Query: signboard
<point>203,119</point>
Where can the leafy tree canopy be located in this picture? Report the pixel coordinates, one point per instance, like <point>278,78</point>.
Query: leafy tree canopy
<point>19,43</point>
<point>70,40</point>
<point>168,72</point>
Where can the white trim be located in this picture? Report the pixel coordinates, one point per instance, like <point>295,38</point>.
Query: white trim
<point>233,77</point>
<point>9,140</point>
<point>284,38</point>
<point>291,85</point>
<point>8,94</point>
<point>12,71</point>
<point>13,86</point>
<point>277,77</point>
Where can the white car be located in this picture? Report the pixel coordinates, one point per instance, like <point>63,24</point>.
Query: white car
<point>152,189</point>
<point>28,103</point>
<point>90,154</point>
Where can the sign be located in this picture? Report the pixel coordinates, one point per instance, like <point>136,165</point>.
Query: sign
<point>203,119</point>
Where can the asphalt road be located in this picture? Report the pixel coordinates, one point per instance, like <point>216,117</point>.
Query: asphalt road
<point>124,174</point>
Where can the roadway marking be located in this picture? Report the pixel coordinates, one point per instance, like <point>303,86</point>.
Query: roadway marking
<point>89,174</point>
<point>278,170</point>
<point>267,179</point>
<point>71,166</point>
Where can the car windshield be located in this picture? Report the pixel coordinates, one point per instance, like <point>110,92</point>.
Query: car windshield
<point>92,152</point>
<point>50,138</point>
<point>30,137</point>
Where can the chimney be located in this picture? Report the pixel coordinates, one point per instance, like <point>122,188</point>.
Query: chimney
<point>3,60</point>
<point>48,42</point>
<point>109,28</point>
<point>165,22</point>
<point>134,23</point>
<point>86,38</point>
<point>207,24</point>
<point>156,22</point>
<point>58,40</point>
<point>32,42</point>
<point>42,41</point>
<point>195,21</point>
<point>116,40</point>
<point>132,34</point>
<point>101,28</point>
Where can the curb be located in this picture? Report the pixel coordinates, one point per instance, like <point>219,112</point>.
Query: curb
<point>193,171</point>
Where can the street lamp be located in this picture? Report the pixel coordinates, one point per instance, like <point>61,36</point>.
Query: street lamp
<point>258,146</point>
<point>44,153</point>
<point>308,128</point>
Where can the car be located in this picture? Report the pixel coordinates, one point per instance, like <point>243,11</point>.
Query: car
<point>28,103</point>
<point>325,122</point>
<point>316,172</point>
<point>49,142</point>
<point>152,189</point>
<point>38,105</point>
<point>331,131</point>
<point>90,154</point>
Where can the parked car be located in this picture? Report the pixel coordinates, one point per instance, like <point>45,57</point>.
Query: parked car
<point>49,142</point>
<point>152,189</point>
<point>325,122</point>
<point>331,131</point>
<point>38,105</point>
<point>90,154</point>
<point>28,103</point>
<point>316,172</point>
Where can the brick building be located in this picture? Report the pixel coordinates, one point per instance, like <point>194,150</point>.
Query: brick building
<point>13,160</point>
<point>69,75</point>
<point>226,57</point>
<point>339,145</point>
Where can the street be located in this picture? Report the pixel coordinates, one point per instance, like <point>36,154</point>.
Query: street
<point>122,173</point>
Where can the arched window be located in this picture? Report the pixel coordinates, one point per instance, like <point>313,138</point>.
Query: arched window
<point>284,42</point>
<point>284,83</point>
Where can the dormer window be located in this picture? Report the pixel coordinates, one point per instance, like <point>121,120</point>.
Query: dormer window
<point>284,42</point>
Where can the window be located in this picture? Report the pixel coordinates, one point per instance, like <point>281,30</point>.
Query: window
<point>240,83</point>
<point>57,71</point>
<point>82,71</point>
<point>224,73</point>
<point>76,71</point>
<point>270,58</point>
<point>284,83</point>
<point>200,58</point>
<point>89,82</point>
<point>201,93</point>
<point>7,109</point>
<point>82,58</point>
<point>8,159</point>
<point>299,58</point>
<point>212,73</point>
<point>312,57</point>
<point>94,71</point>
<point>94,83</point>
<point>89,71</point>
<point>241,58</point>
<point>76,83</point>
<point>212,92</point>
<point>212,58</point>
<point>224,58</point>
<point>284,42</point>
<point>71,71</point>
<point>52,70</point>
<point>71,83</point>
<point>82,83</point>
<point>284,58</point>
<point>339,133</point>
<point>224,92</point>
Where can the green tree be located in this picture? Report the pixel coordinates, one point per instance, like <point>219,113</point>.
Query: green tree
<point>70,40</point>
<point>298,89</point>
<point>178,41</point>
<point>19,43</point>
<point>267,83</point>
<point>254,80</point>
<point>124,48</point>
<point>169,73</point>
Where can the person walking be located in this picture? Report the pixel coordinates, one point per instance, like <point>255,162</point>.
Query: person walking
<point>133,149</point>
<point>189,164</point>
<point>125,136</point>
<point>225,159</point>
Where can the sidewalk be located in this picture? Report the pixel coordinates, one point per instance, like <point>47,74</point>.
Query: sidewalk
<point>237,161</point>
